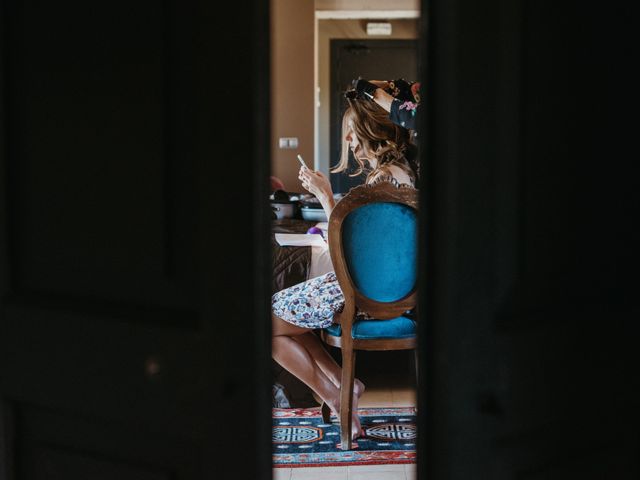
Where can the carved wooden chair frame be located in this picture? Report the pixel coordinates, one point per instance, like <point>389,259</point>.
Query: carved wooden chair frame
<point>355,300</point>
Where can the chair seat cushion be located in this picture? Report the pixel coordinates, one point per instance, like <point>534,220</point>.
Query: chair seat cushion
<point>399,327</point>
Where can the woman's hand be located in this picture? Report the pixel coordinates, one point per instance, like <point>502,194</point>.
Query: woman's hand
<point>319,185</point>
<point>315,182</point>
<point>375,90</point>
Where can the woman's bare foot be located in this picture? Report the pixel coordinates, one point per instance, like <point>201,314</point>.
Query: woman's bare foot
<point>358,390</point>
<point>356,427</point>
<point>334,405</point>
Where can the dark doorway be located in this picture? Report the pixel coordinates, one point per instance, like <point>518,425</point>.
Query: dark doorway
<point>371,59</point>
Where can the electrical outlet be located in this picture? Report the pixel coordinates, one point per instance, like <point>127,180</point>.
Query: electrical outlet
<point>288,142</point>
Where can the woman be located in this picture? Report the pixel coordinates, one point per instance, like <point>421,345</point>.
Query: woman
<point>384,150</point>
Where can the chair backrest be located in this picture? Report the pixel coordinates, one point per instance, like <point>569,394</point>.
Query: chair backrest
<point>373,243</point>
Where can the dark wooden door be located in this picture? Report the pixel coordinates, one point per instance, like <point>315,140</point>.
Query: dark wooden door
<point>370,59</point>
<point>531,325</point>
<point>128,322</point>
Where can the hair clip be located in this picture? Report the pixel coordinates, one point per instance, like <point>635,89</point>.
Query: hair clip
<point>356,95</point>
<point>351,94</point>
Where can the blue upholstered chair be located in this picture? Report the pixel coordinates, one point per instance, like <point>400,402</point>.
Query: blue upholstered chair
<point>373,246</point>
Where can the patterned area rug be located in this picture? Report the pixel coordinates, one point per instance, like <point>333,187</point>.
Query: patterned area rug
<point>301,439</point>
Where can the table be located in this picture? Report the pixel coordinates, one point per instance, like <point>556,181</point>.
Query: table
<point>292,265</point>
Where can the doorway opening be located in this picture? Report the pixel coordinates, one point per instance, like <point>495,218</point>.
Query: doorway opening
<point>314,57</point>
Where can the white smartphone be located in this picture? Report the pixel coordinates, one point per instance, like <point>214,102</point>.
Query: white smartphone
<point>302,162</point>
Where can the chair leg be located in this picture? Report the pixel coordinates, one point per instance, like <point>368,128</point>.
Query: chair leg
<point>346,396</point>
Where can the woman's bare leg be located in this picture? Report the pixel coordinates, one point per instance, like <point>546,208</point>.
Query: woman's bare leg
<point>295,358</point>
<point>328,365</point>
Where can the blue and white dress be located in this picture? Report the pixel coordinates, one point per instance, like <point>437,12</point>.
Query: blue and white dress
<point>310,304</point>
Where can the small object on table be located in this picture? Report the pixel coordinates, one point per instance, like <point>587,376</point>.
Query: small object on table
<point>283,204</point>
<point>315,230</point>
<point>280,196</point>
<point>299,240</point>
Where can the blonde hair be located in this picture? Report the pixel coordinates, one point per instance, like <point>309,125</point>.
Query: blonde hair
<point>379,138</point>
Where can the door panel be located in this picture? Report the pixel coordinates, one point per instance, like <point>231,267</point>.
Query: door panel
<point>57,445</point>
<point>92,204</point>
<point>124,313</point>
<point>530,310</point>
<point>119,96</point>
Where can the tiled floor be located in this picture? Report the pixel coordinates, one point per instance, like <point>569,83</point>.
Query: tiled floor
<point>374,472</point>
<point>381,392</point>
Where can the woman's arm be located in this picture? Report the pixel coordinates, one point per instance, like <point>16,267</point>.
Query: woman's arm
<point>402,103</point>
<point>319,185</point>
<point>374,90</point>
<point>383,99</point>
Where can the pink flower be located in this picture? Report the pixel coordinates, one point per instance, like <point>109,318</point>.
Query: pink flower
<point>409,105</point>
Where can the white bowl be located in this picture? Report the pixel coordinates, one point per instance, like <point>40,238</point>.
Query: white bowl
<point>283,210</point>
<point>314,214</point>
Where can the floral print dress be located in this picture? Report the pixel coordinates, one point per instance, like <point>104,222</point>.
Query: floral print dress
<point>310,304</point>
